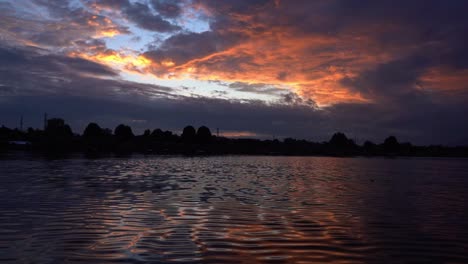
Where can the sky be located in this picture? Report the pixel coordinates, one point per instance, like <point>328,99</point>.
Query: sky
<point>252,68</point>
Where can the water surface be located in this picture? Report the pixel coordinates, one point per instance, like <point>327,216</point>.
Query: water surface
<point>233,210</point>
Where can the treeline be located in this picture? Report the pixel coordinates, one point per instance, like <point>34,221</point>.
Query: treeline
<point>58,137</point>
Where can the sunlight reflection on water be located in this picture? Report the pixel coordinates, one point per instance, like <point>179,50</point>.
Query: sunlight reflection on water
<point>233,210</point>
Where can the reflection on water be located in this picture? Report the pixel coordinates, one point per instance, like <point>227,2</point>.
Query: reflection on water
<point>233,210</point>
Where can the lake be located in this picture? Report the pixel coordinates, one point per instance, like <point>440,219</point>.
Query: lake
<point>233,209</point>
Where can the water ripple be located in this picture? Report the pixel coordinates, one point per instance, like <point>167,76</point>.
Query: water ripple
<point>233,210</point>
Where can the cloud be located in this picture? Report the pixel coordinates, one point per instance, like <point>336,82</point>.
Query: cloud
<point>368,68</point>
<point>184,47</point>
<point>140,14</point>
<point>32,72</point>
<point>144,18</point>
<point>167,8</point>
<point>259,88</point>
<point>62,26</point>
<point>317,47</point>
<point>83,91</point>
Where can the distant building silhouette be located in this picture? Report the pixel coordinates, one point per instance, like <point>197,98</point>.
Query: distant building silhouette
<point>57,128</point>
<point>58,135</point>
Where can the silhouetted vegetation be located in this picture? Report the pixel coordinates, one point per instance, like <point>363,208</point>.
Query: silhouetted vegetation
<point>391,145</point>
<point>339,144</point>
<point>57,137</point>
<point>123,133</point>
<point>189,134</point>
<point>203,135</point>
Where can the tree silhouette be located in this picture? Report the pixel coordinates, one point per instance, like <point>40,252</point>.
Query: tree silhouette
<point>123,132</point>
<point>58,138</point>
<point>391,144</point>
<point>95,138</point>
<point>5,133</point>
<point>189,133</point>
<point>93,131</point>
<point>203,134</point>
<point>157,134</point>
<point>340,140</point>
<point>368,145</point>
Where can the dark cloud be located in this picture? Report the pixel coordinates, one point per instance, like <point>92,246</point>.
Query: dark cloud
<point>220,7</point>
<point>167,8</point>
<point>71,23</point>
<point>113,4</point>
<point>405,24</point>
<point>141,14</point>
<point>31,59</point>
<point>67,25</point>
<point>144,18</point>
<point>184,47</point>
<point>34,73</point>
<point>91,46</point>
<point>392,79</point>
<point>57,8</point>
<point>294,99</point>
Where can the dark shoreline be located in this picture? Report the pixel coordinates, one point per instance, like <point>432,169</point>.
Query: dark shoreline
<point>28,154</point>
<point>57,139</point>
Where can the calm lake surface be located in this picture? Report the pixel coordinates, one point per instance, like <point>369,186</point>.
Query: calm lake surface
<point>233,210</point>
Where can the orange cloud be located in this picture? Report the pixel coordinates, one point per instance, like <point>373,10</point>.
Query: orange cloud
<point>122,61</point>
<point>238,134</point>
<point>108,33</point>
<point>281,59</point>
<point>312,65</point>
<point>443,79</point>
<point>104,27</point>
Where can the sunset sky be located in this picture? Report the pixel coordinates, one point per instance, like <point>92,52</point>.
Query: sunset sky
<point>265,69</point>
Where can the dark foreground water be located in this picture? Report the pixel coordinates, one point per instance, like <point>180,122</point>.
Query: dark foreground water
<point>234,210</point>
